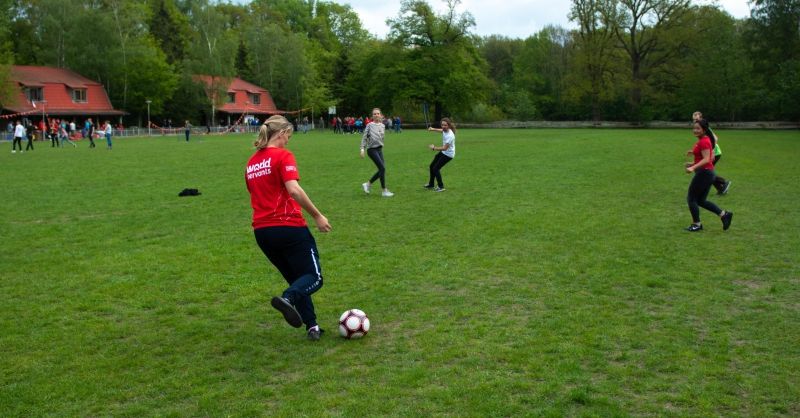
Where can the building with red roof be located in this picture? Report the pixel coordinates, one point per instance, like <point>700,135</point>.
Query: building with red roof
<point>57,92</point>
<point>241,97</point>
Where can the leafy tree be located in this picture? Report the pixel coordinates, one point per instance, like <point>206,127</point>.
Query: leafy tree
<point>540,71</point>
<point>595,55</point>
<point>641,28</point>
<point>441,64</point>
<point>773,33</point>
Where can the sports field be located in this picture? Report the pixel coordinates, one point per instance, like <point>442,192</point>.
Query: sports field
<point>552,278</point>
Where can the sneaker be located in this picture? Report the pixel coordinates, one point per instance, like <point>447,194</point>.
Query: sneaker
<point>13,151</point>
<point>365,186</point>
<point>726,220</point>
<point>315,332</point>
<point>428,186</point>
<point>439,189</point>
<point>725,189</point>
<point>694,228</point>
<point>290,314</point>
<point>387,193</point>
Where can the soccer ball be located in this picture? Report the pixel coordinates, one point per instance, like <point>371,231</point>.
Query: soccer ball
<point>353,324</point>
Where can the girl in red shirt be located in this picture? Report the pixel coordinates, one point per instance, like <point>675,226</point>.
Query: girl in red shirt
<point>279,227</point>
<point>703,169</point>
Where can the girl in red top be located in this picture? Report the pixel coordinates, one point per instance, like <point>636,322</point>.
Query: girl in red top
<point>703,169</point>
<point>279,226</point>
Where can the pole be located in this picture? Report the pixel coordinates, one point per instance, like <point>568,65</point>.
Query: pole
<point>148,118</point>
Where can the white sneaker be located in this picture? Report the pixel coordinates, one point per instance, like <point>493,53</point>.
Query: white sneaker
<point>365,186</point>
<point>13,151</point>
<point>387,193</point>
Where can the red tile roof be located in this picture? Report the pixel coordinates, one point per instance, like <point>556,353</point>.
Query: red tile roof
<point>57,85</point>
<point>242,90</point>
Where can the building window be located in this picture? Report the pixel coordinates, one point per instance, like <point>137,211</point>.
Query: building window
<point>231,97</point>
<point>34,94</point>
<point>255,99</point>
<point>79,95</point>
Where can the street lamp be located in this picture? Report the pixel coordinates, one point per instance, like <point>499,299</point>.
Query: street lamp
<point>148,117</point>
<point>43,103</point>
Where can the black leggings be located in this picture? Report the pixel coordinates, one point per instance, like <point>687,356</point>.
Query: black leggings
<point>293,251</point>
<point>719,182</point>
<point>17,140</point>
<point>439,161</point>
<point>698,192</point>
<point>30,144</point>
<point>376,155</point>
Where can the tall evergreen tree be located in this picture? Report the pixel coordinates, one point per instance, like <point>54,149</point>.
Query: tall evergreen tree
<point>170,28</point>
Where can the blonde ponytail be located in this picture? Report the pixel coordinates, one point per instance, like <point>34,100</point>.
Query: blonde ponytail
<point>271,127</point>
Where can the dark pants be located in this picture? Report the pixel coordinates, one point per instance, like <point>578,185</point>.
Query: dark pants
<point>187,135</point>
<point>17,140</point>
<point>376,155</point>
<point>293,251</point>
<point>91,140</point>
<point>698,192</point>
<point>30,143</point>
<point>438,162</point>
<point>719,182</point>
<point>53,140</point>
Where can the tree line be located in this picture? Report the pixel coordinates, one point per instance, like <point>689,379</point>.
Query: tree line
<point>627,60</point>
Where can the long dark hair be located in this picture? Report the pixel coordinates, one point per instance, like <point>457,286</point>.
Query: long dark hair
<point>707,131</point>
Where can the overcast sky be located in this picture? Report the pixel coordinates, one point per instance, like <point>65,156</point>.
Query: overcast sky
<point>511,18</point>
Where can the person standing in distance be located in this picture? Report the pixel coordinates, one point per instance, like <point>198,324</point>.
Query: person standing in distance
<point>703,169</point>
<point>446,153</point>
<point>88,127</point>
<point>372,142</point>
<point>278,224</point>
<point>19,133</point>
<point>720,183</point>
<point>187,129</point>
<point>108,131</point>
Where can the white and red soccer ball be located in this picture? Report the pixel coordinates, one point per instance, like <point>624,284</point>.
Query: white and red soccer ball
<point>353,324</point>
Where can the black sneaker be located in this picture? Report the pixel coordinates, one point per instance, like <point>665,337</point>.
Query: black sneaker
<point>725,189</point>
<point>315,332</point>
<point>726,220</point>
<point>290,314</point>
<point>694,228</point>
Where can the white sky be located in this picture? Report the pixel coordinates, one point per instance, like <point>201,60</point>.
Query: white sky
<point>511,18</point>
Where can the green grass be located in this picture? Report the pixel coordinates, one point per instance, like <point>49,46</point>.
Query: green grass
<point>552,278</point>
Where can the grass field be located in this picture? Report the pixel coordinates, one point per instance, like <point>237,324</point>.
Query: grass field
<point>552,278</point>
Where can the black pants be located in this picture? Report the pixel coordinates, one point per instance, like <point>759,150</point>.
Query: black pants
<point>30,144</point>
<point>698,192</point>
<point>17,140</point>
<point>54,141</point>
<point>91,140</point>
<point>719,182</point>
<point>293,251</point>
<point>376,155</point>
<point>187,135</point>
<point>439,161</point>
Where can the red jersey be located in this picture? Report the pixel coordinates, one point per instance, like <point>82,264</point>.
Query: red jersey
<point>267,171</point>
<point>699,146</point>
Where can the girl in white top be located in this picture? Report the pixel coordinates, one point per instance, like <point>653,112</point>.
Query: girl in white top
<point>446,153</point>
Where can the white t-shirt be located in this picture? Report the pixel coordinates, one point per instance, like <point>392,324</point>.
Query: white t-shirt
<point>449,138</point>
<point>19,131</point>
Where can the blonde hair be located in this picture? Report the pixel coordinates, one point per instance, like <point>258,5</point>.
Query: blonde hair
<point>379,111</point>
<point>271,127</point>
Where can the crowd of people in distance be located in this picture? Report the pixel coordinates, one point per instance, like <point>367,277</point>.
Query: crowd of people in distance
<point>58,131</point>
<point>353,125</point>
